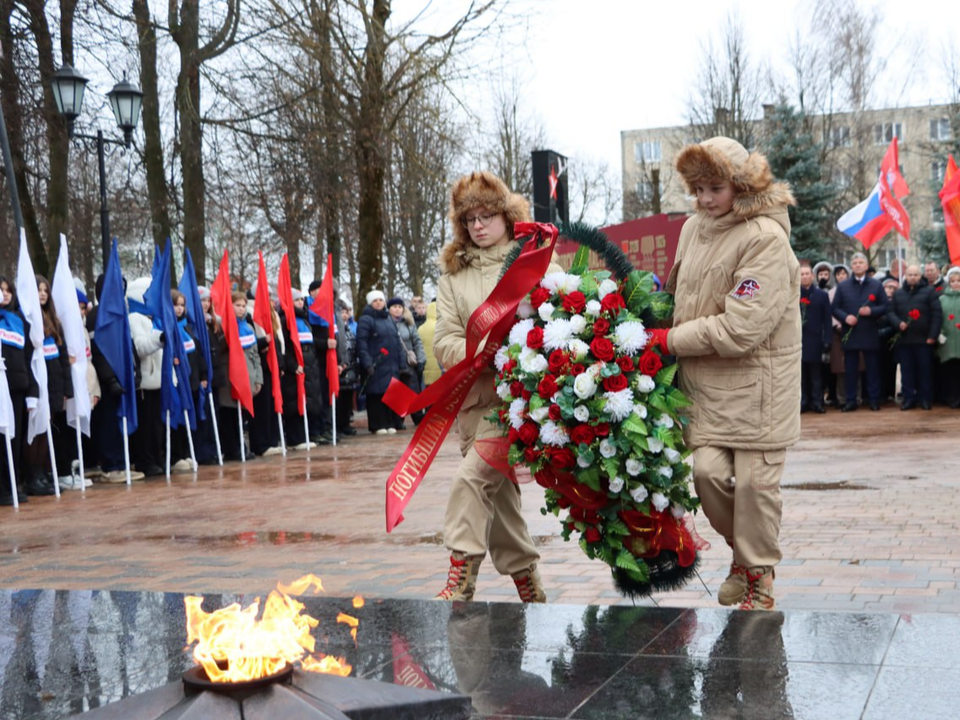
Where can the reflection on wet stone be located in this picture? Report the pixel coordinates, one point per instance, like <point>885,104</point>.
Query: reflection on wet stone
<point>66,652</point>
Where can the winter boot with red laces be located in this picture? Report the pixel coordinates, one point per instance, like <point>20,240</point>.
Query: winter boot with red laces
<point>461,578</point>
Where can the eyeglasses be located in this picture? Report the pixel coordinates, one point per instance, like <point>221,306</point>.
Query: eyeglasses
<point>468,222</point>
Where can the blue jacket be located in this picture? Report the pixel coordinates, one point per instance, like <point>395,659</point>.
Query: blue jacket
<point>817,329</point>
<point>850,297</point>
<point>376,331</point>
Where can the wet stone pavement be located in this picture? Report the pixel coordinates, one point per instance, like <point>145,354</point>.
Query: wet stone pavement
<point>68,652</point>
<point>868,587</point>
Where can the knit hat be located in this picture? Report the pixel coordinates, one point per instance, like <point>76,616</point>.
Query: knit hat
<point>891,281</point>
<point>396,301</point>
<point>952,271</point>
<point>81,297</point>
<point>203,292</point>
<point>297,295</point>
<point>375,295</point>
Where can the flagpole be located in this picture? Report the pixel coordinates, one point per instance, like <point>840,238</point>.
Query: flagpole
<point>243,449</point>
<point>126,450</point>
<point>83,484</point>
<point>283,440</point>
<point>167,461</point>
<point>53,461</point>
<point>216,429</point>
<point>13,476</point>
<point>306,421</point>
<point>193,455</point>
<point>333,418</point>
<point>900,258</point>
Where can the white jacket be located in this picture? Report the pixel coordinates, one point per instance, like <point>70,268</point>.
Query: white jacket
<point>146,339</point>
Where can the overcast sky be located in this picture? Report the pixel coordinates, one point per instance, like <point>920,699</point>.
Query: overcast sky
<point>597,67</point>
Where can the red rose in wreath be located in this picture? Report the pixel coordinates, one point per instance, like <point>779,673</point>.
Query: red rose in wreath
<point>529,433</point>
<point>516,388</point>
<point>531,454</point>
<point>575,302</point>
<point>615,383</point>
<point>535,338</point>
<point>592,535</point>
<point>626,364</point>
<point>547,387</point>
<point>577,369</point>
<point>602,349</point>
<point>539,296</point>
<point>562,457</point>
<point>650,363</point>
<point>557,361</point>
<point>582,434</point>
<point>612,303</point>
<point>602,429</point>
<point>601,326</point>
<point>554,412</point>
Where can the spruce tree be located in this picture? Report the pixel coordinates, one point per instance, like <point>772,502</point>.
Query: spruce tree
<point>794,157</point>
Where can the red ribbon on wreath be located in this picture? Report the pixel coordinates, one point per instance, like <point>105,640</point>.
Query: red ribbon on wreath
<point>493,320</point>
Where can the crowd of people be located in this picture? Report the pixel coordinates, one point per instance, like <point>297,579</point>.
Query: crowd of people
<point>390,339</point>
<point>859,328</point>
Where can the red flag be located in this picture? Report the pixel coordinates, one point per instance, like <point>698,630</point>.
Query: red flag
<point>323,307</point>
<point>892,188</point>
<point>285,293</point>
<point>263,316</point>
<point>221,295</point>
<point>950,199</point>
<point>890,169</point>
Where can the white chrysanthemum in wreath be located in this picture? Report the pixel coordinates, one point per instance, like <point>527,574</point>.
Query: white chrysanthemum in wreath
<point>557,334</point>
<point>500,359</point>
<point>630,337</point>
<point>532,362</point>
<point>619,404</point>
<point>517,410</point>
<point>561,283</point>
<point>553,434</point>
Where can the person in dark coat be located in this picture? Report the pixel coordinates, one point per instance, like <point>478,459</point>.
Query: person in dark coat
<point>17,353</point>
<point>917,314</point>
<point>380,353</point>
<point>205,439</point>
<point>349,370</point>
<point>179,443</point>
<point>858,305</point>
<point>817,334</point>
<point>293,428</point>
<point>888,351</point>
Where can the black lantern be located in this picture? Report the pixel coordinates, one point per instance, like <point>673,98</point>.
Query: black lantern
<point>125,99</point>
<point>68,85</point>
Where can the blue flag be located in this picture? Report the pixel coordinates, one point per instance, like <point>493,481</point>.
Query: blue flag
<point>196,319</point>
<point>174,399</point>
<point>112,336</point>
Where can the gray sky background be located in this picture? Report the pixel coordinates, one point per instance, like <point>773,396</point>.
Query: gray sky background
<point>593,68</point>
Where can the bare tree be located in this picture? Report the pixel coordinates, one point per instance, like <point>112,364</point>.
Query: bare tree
<point>515,134</point>
<point>595,193</point>
<point>729,90</point>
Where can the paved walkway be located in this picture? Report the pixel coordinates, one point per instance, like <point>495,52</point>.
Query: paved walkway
<point>870,524</point>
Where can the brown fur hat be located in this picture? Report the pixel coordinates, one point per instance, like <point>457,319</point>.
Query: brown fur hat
<point>479,189</point>
<point>721,158</point>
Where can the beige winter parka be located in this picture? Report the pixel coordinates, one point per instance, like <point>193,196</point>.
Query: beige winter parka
<point>737,328</point>
<point>467,282</point>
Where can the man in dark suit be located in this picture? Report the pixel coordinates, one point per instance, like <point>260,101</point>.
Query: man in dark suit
<point>816,333</point>
<point>916,313</point>
<point>859,304</point>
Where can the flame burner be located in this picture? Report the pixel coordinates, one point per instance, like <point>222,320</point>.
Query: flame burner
<point>196,680</point>
<point>290,693</point>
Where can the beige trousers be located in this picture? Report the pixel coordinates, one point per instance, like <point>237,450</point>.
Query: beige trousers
<point>483,510</point>
<point>746,512</point>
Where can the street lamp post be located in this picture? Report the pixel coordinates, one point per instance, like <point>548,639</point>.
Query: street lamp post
<point>125,99</point>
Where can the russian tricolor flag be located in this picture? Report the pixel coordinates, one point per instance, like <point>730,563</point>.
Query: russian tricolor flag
<point>867,222</point>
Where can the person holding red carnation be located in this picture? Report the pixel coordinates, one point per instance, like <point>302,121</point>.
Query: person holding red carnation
<point>737,337</point>
<point>483,510</point>
<point>915,311</point>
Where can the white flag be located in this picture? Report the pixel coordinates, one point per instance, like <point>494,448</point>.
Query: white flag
<point>64,294</point>
<point>8,424</point>
<point>29,297</point>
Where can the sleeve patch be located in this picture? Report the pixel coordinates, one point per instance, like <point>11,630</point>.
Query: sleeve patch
<point>747,288</point>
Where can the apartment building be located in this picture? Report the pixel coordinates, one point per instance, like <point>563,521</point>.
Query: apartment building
<point>854,146</point>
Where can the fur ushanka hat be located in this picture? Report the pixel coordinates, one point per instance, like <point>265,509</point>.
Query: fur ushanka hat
<point>479,189</point>
<point>721,158</point>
